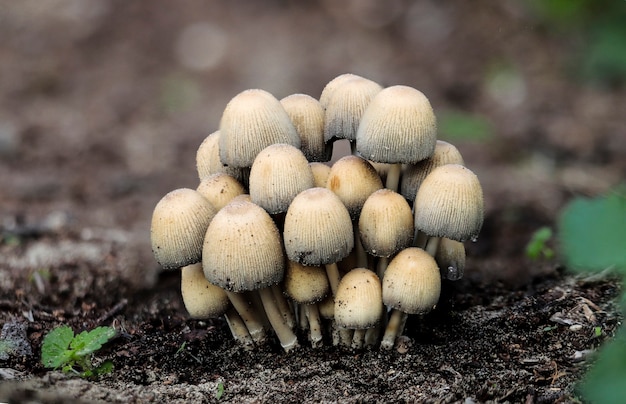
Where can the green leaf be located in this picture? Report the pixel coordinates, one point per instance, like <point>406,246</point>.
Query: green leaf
<point>88,342</point>
<point>593,233</point>
<point>537,244</point>
<point>54,349</point>
<point>220,391</point>
<point>605,382</point>
<point>458,125</point>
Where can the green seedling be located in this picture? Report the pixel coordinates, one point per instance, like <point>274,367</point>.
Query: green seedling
<point>220,391</point>
<point>537,247</point>
<point>73,353</point>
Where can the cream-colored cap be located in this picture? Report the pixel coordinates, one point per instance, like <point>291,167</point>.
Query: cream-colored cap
<point>202,299</point>
<point>358,302</point>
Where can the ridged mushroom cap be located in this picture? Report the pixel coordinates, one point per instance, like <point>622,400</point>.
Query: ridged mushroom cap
<point>179,221</point>
<point>202,299</point>
<point>412,283</point>
<point>413,174</point>
<point>320,173</point>
<point>450,257</point>
<point>332,85</point>
<point>449,203</point>
<point>346,106</point>
<point>219,189</point>
<point>305,284</point>
<point>208,159</point>
<point>353,180</point>
<point>242,248</point>
<point>251,121</point>
<point>307,116</point>
<point>278,174</point>
<point>386,223</point>
<point>398,126</point>
<point>358,302</point>
<point>318,229</point>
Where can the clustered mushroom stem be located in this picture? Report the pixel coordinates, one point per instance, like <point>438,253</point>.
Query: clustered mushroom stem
<point>283,306</point>
<point>248,315</point>
<point>287,338</point>
<point>420,239</point>
<point>361,255</point>
<point>381,266</point>
<point>345,336</point>
<point>372,334</point>
<point>315,328</point>
<point>394,328</point>
<point>432,245</point>
<point>238,328</point>
<point>358,338</point>
<point>393,176</point>
<point>332,271</point>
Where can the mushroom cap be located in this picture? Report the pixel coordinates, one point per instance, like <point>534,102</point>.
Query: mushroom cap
<point>202,299</point>
<point>278,174</point>
<point>318,229</point>
<point>242,248</point>
<point>305,284</point>
<point>398,126</point>
<point>179,221</point>
<point>413,174</point>
<point>386,223</point>
<point>358,302</point>
<point>345,107</point>
<point>251,121</point>
<point>219,189</point>
<point>449,203</point>
<point>353,180</point>
<point>412,283</point>
<point>332,85</point>
<point>208,159</point>
<point>450,257</point>
<point>320,173</point>
<point>307,116</point>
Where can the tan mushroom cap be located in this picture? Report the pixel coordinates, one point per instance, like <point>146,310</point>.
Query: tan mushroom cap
<point>219,189</point>
<point>278,174</point>
<point>385,223</point>
<point>358,303</point>
<point>413,174</point>
<point>398,126</point>
<point>179,221</point>
<point>307,115</point>
<point>449,203</point>
<point>346,106</point>
<point>208,159</point>
<point>251,121</point>
<point>242,248</point>
<point>412,283</point>
<point>353,180</point>
<point>318,228</point>
<point>320,173</point>
<point>305,284</point>
<point>450,257</point>
<point>202,299</point>
<point>332,85</point>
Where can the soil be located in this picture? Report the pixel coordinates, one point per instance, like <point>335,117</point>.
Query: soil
<point>102,110</point>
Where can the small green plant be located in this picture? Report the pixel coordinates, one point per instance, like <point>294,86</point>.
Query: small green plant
<point>73,353</point>
<point>458,125</point>
<point>538,247</point>
<point>220,390</point>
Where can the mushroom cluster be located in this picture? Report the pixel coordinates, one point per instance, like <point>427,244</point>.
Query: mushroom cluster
<point>282,243</point>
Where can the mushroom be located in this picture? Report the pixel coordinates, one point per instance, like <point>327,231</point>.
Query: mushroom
<point>307,285</point>
<point>345,107</point>
<point>208,159</point>
<point>449,203</point>
<point>307,115</point>
<point>385,226</point>
<point>411,285</point>
<point>179,221</point>
<point>219,189</point>
<point>450,257</point>
<point>318,231</point>
<point>398,127</point>
<point>414,174</point>
<point>243,252</point>
<point>321,172</point>
<point>358,303</point>
<point>332,85</point>
<point>204,300</point>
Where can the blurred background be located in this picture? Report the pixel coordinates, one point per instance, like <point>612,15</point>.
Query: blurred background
<point>103,104</point>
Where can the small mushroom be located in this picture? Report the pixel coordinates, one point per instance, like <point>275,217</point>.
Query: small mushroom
<point>219,189</point>
<point>358,303</point>
<point>398,127</point>
<point>332,85</point>
<point>307,115</point>
<point>179,221</point>
<point>321,172</point>
<point>450,257</point>
<point>208,159</point>
<point>411,285</point>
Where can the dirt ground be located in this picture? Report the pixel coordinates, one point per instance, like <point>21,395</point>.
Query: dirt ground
<point>103,104</point>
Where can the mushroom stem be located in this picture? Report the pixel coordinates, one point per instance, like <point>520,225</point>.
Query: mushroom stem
<point>361,255</point>
<point>248,315</point>
<point>372,334</point>
<point>394,328</point>
<point>283,306</point>
<point>332,271</point>
<point>381,266</point>
<point>393,176</point>
<point>315,328</point>
<point>420,239</point>
<point>358,338</point>
<point>345,336</point>
<point>432,244</point>
<point>238,328</point>
<point>288,339</point>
